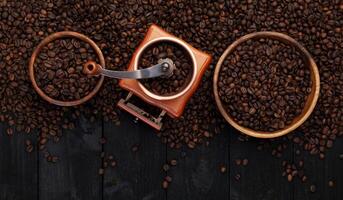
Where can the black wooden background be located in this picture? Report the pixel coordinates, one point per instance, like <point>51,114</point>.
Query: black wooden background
<point>139,175</point>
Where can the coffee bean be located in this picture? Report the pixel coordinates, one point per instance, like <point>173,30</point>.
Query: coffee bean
<point>102,140</point>
<point>245,162</point>
<point>29,148</point>
<point>222,169</point>
<point>101,171</point>
<point>9,131</point>
<point>134,148</point>
<point>54,159</point>
<point>238,161</point>
<point>237,177</point>
<point>168,178</point>
<point>313,188</point>
<point>166,167</point>
<point>113,163</point>
<point>105,164</point>
<point>173,162</point>
<point>165,184</point>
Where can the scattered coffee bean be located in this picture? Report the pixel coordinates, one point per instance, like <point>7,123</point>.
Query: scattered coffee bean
<point>165,184</point>
<point>9,131</point>
<point>113,163</point>
<point>237,177</point>
<point>245,162</point>
<point>134,148</point>
<point>168,178</point>
<point>173,162</point>
<point>222,168</point>
<point>101,171</point>
<point>165,167</point>
<point>102,140</point>
<point>313,188</point>
<point>238,161</point>
<point>29,148</point>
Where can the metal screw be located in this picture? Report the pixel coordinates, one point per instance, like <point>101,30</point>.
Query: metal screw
<point>165,67</point>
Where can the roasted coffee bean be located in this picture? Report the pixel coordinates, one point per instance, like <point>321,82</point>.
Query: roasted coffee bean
<point>245,162</point>
<point>167,86</point>
<point>113,163</point>
<point>168,178</point>
<point>173,162</point>
<point>264,84</point>
<point>237,177</point>
<point>313,188</point>
<point>222,169</point>
<point>29,148</point>
<point>105,164</point>
<point>165,184</point>
<point>331,183</point>
<point>102,140</point>
<point>165,167</point>
<point>101,171</point>
<point>134,148</point>
<point>238,161</point>
<point>9,131</point>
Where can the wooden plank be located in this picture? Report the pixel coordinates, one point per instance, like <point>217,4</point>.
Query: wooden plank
<point>262,177</point>
<point>319,173</point>
<point>197,174</point>
<point>138,174</point>
<point>75,175</point>
<point>18,169</point>
<point>333,171</point>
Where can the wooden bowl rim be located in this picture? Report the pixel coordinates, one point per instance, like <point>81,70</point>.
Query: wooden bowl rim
<point>310,102</point>
<point>55,36</point>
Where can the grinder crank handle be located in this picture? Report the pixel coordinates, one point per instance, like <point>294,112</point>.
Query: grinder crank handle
<point>165,68</point>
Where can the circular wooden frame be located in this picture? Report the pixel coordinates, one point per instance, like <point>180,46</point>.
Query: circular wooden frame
<point>310,102</point>
<point>55,36</point>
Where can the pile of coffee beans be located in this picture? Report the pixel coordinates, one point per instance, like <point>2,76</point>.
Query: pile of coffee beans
<point>263,84</point>
<point>118,27</point>
<point>58,69</point>
<point>167,86</point>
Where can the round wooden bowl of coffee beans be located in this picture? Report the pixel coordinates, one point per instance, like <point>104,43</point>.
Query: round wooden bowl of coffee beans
<point>56,68</point>
<point>184,74</point>
<point>266,84</point>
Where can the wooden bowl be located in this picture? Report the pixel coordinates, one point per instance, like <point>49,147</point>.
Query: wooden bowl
<point>51,38</point>
<point>310,102</point>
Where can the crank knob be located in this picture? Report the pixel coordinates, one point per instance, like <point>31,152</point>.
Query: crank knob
<point>91,68</point>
